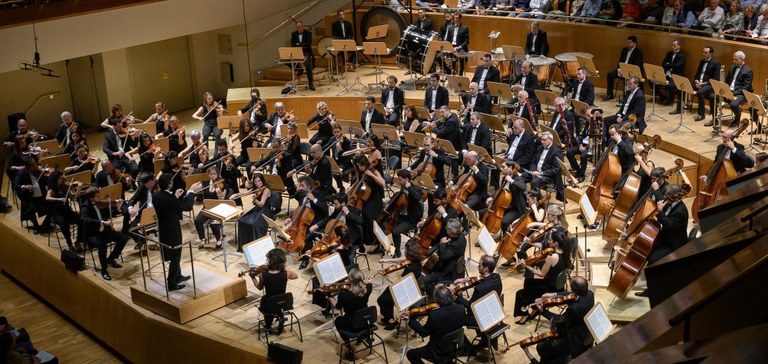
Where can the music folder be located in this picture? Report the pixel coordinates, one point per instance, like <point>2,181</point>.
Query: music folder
<point>406,292</point>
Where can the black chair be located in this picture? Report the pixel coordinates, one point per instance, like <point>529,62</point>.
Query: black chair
<point>304,149</point>
<point>453,340</point>
<point>279,305</point>
<point>365,320</point>
<point>391,166</point>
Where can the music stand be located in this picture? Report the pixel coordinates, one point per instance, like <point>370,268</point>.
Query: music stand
<point>484,156</point>
<point>472,219</point>
<point>194,178</point>
<point>555,136</point>
<point>657,75</point>
<point>589,65</point>
<point>754,102</point>
<point>450,151</point>
<point>423,112</point>
<point>684,85</point>
<point>257,154</point>
<point>377,32</point>
<point>292,56</point>
<point>441,48</point>
<point>547,98</point>
<point>274,182</point>
<point>223,211</point>
<point>376,49</point>
<point>229,122</point>
<point>346,46</point>
<point>278,232</point>
<point>413,139</point>
<point>630,70</point>
<point>722,91</point>
<point>457,84</point>
<point>425,181</point>
<point>497,127</point>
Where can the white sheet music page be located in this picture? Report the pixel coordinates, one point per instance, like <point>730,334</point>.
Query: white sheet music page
<point>587,209</point>
<point>486,241</point>
<point>488,311</point>
<point>598,323</point>
<point>406,292</point>
<point>224,210</point>
<point>256,251</point>
<point>331,269</point>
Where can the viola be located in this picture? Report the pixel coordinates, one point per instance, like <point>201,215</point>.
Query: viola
<point>422,311</point>
<point>533,259</point>
<point>331,288</point>
<point>394,267</point>
<point>533,340</point>
<point>103,204</point>
<point>501,202</point>
<point>252,271</point>
<point>550,302</point>
<point>467,284</point>
<point>397,204</point>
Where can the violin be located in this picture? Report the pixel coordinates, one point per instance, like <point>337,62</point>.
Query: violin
<point>533,340</point>
<point>394,267</point>
<point>533,259</point>
<point>218,184</point>
<point>549,302</point>
<point>331,288</point>
<point>319,251</point>
<point>152,149</point>
<point>467,284</point>
<point>103,204</point>
<point>35,151</point>
<point>422,311</point>
<point>118,175</point>
<point>252,271</point>
<point>543,230</point>
<point>255,191</point>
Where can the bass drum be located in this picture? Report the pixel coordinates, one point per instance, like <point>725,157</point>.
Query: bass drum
<point>380,15</point>
<point>322,47</point>
<point>413,50</point>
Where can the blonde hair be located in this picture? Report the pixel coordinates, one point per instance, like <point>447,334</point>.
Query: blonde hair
<point>357,281</point>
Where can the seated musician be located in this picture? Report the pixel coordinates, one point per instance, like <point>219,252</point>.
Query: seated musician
<point>61,212</point>
<point>393,98</point>
<point>63,134</point>
<point>630,54</point>
<point>370,115</point>
<point>542,280</point>
<point>275,120</point>
<point>292,142</point>
<point>256,109</point>
<point>555,350</point>
<point>177,139</point>
<point>386,302</point>
<point>739,79</point>
<point>658,183</point>
<point>194,151</point>
<point>445,319</point>
<point>246,138</point>
<point>277,163</point>
<point>116,112</point>
<point>423,22</point>
<point>413,123</point>
<point>623,148</point>
<point>458,35</point>
<point>523,108</point>
<point>579,335</point>
<point>644,167</point>
<point>225,163</point>
<point>474,102</point>
<point>351,301</point>
<point>476,133</point>
<point>108,176</point>
<point>516,186</point>
<point>450,254</point>
<point>341,144</point>
<point>522,145</point>
<point>81,162</point>
<point>251,225</point>
<point>117,146</point>
<point>98,229</point>
<point>213,189</point>
<point>23,130</point>
<point>435,156</point>
<point>487,73</point>
<point>347,215</point>
<point>581,89</point>
<point>274,281</point>
<point>147,154</point>
<point>324,121</point>
<point>320,173</point>
<point>478,171</point>
<point>550,220</point>
<point>435,96</point>
<point>442,210</point>
<point>143,197</point>
<point>172,166</point>
<point>581,147</point>
<point>563,123</point>
<point>544,169</point>
<point>632,104</point>
<point>307,188</point>
<point>491,281</point>
<point>527,81</point>
<point>413,212</point>
<point>17,161</point>
<point>160,117</point>
<point>31,185</point>
<point>447,127</point>
<point>733,151</point>
<point>372,180</point>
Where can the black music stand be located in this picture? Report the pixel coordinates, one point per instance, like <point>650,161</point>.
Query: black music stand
<point>657,76</point>
<point>292,56</point>
<point>684,86</point>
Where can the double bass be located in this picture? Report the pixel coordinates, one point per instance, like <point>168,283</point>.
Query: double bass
<point>606,175</point>
<point>300,222</point>
<point>397,204</point>
<point>501,202</point>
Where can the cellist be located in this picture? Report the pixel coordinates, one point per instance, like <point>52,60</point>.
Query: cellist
<point>732,151</point>
<point>431,155</point>
<point>516,186</point>
<point>319,206</point>
<point>347,215</point>
<point>443,211</point>
<point>478,171</point>
<point>414,210</point>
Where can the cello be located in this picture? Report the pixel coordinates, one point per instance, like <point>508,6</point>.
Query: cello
<point>518,231</point>
<point>501,201</point>
<point>645,207</point>
<point>361,192</point>
<point>721,172</point>
<point>397,204</point>
<point>300,222</point>
<point>461,191</point>
<point>429,232</point>
<point>606,175</point>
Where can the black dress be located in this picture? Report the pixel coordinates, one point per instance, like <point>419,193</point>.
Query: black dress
<point>252,226</point>
<point>371,210</point>
<point>274,284</point>
<point>534,288</point>
<point>350,303</point>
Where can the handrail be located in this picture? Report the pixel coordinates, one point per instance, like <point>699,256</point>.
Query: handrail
<point>282,24</point>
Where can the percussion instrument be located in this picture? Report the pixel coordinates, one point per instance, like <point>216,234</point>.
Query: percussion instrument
<point>542,68</point>
<point>569,64</point>
<point>412,52</point>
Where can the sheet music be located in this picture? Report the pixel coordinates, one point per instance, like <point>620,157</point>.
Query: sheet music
<point>598,322</point>
<point>331,269</point>
<point>486,241</point>
<point>224,210</point>
<point>488,311</point>
<point>406,292</point>
<point>256,251</point>
<point>383,238</point>
<point>587,209</point>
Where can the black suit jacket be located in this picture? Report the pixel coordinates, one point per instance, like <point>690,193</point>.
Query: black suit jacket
<point>439,162</point>
<point>110,145</point>
<point>482,136</point>
<point>587,94</point>
<point>322,174</point>
<point>550,168</point>
<point>376,118</point>
<point>354,222</point>
<point>636,106</point>
<point>741,161</point>
<point>169,209</point>
<point>636,58</point>
<point>440,322</point>
<point>440,100</point>
<point>90,220</point>
<point>743,80</point>
<point>560,130</point>
<point>425,24</point>
<point>450,130</point>
<point>574,315</point>
<point>462,37</point>
<point>259,119</point>
<point>450,254</point>
<point>542,46</point>
<point>677,66</point>
<point>674,228</point>
<point>526,148</point>
<point>626,153</point>
<point>481,178</point>
<point>305,43</point>
<point>489,284</point>
<point>531,85</point>
<point>712,71</point>
<point>399,98</point>
<point>481,103</point>
<point>526,114</point>
<point>348,33</point>
<point>493,75</point>
<point>415,207</point>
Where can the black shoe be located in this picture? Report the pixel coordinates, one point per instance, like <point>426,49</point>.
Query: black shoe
<point>304,264</point>
<point>607,97</point>
<point>106,276</point>
<point>175,287</point>
<point>674,112</point>
<point>183,279</point>
<point>709,123</point>
<point>477,245</point>
<point>698,117</point>
<point>349,356</point>
<point>361,249</point>
<point>114,264</point>
<point>390,325</point>
<point>507,264</point>
<point>312,87</point>
<point>137,246</point>
<point>644,293</point>
<point>398,254</point>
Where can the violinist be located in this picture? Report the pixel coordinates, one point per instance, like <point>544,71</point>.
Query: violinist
<point>623,148</point>
<point>177,139</point>
<point>116,113</point>
<point>77,138</point>
<point>373,180</point>
<point>273,164</point>
<point>341,144</point>
<point>516,187</point>
<point>83,161</point>
<point>556,349</point>
<point>99,230</point>
<point>275,120</point>
<point>195,150</point>
<point>386,301</point>
<point>225,163</point>
<point>393,98</point>
<point>563,123</point>
<point>118,144</point>
<point>209,113</point>
<point>541,280</point>
<point>373,149</point>
<point>213,189</point>
<point>108,176</point>
<point>246,138</point>
<point>62,214</point>
<point>441,321</point>
<point>552,217</point>
<point>274,281</point>
<point>414,210</point>
<point>450,130</point>
<point>346,214</point>
<point>325,122</point>
<point>413,123</point>
<point>491,281</point>
<point>142,197</point>
<point>30,185</point>
<point>18,158</point>
<point>251,225</point>
<point>318,205</point>
<point>574,314</point>
<point>320,173</point>
<point>173,167</point>
<point>478,171</point>
<point>23,130</point>
<point>65,128</point>
<point>450,252</point>
<point>436,157</point>
<point>370,115</point>
<point>148,153</point>
<point>733,151</point>
<point>160,118</point>
<point>256,109</point>
<point>544,169</point>
<point>292,142</point>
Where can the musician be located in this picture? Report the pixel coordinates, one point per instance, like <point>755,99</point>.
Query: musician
<point>17,161</point>
<point>423,22</point>
<point>370,115</point>
<point>57,198</point>
<point>342,29</point>
<point>450,253</point>
<point>442,210</point>
<point>177,139</point>
<point>633,104</point>
<point>476,133</point>
<point>116,112</point>
<point>169,206</point>
<point>574,314</point>
<point>739,79</point>
<point>23,130</point>
<point>708,69</point>
<point>224,162</point>
<point>544,169</point>
<point>473,102</point>
<point>393,99</point>
<point>208,113</point>
<point>430,154</point>
<point>644,167</point>
<point>274,281</point>
<point>65,128</point>
<point>256,107</point>
<point>412,264</point>
<point>435,96</point>
<point>31,185</point>
<point>197,151</point>
<point>549,219</point>
<point>82,161</point>
<point>348,215</point>
<point>374,205</point>
<point>213,189</point>
<point>458,35</point>
<point>251,225</point>
<point>118,144</point>
<point>491,281</point>
<point>478,171</point>
<point>487,73</point>
<point>658,183</point>
<point>630,54</point>
<point>307,189</point>
<point>733,151</point>
<point>341,144</point>
<point>147,154</point>
<point>325,122</point>
<point>543,279</point>
<point>450,130</point>
<point>246,138</point>
<point>160,117</point>
<point>673,64</point>
<point>414,210</point>
<point>526,81</point>
<point>303,38</point>
<point>172,166</point>
<point>320,173</point>
<point>77,139</point>
<point>109,176</point>
<point>581,89</point>
<point>413,122</point>
<point>99,231</point>
<point>555,350</point>
<point>351,301</point>
<point>446,24</point>
<point>445,319</point>
<point>623,147</point>
<point>522,146</point>
<point>142,197</point>
<point>275,120</point>
<point>516,186</point>
<point>563,123</point>
<point>536,44</point>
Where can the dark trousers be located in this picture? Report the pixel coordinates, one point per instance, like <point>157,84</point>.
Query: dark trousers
<point>101,241</point>
<point>533,289</point>
<point>386,305</point>
<point>581,165</point>
<point>672,93</point>
<point>612,76</point>
<point>64,219</point>
<point>736,107</point>
<point>403,225</point>
<point>475,202</point>
<point>418,355</point>
<point>211,129</point>
<point>174,270</point>
<point>200,221</point>
<point>126,165</point>
<point>706,92</point>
